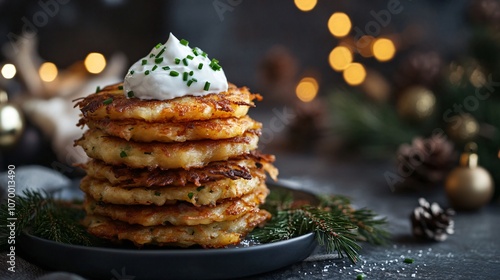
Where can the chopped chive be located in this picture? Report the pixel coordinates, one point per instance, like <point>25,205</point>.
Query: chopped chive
<point>157,193</point>
<point>151,55</point>
<point>98,89</point>
<point>360,276</point>
<point>214,64</point>
<point>174,73</point>
<point>190,57</point>
<point>207,86</point>
<point>146,73</point>
<point>190,195</point>
<point>191,73</point>
<point>132,72</point>
<point>185,76</point>
<point>185,62</point>
<point>144,61</point>
<point>189,83</point>
<point>166,68</point>
<point>158,60</point>
<point>408,260</point>
<point>177,61</point>
<point>200,188</point>
<point>195,51</point>
<point>200,66</point>
<point>204,54</point>
<point>154,68</point>
<point>160,53</point>
<point>107,101</point>
<point>194,80</point>
<point>184,42</point>
<point>158,46</point>
<point>120,87</point>
<point>130,94</point>
<point>123,154</point>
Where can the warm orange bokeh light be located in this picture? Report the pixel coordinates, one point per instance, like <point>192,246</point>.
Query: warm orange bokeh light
<point>95,63</point>
<point>307,89</point>
<point>354,74</point>
<point>48,72</point>
<point>383,49</point>
<point>340,57</point>
<point>339,24</point>
<point>305,5</point>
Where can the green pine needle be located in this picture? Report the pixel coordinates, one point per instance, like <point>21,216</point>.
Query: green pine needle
<point>336,224</point>
<point>44,216</point>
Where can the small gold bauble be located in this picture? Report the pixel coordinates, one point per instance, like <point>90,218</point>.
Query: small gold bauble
<point>464,129</point>
<point>11,122</point>
<point>416,103</point>
<point>469,187</point>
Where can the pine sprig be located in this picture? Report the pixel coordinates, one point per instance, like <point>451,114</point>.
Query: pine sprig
<point>336,224</point>
<point>42,215</point>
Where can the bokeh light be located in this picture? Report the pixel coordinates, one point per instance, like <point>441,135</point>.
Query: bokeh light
<point>9,71</point>
<point>307,89</point>
<point>48,72</point>
<point>339,24</point>
<point>305,5</point>
<point>354,74</point>
<point>95,63</point>
<point>384,49</point>
<point>340,57</point>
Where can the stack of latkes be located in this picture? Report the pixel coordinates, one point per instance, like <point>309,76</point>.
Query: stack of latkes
<point>177,172</point>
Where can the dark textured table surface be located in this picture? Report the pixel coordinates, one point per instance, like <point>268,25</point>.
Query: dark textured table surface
<point>471,253</point>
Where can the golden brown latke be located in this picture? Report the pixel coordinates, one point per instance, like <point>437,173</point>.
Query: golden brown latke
<point>111,103</point>
<point>142,131</point>
<point>207,194</point>
<point>234,168</point>
<point>215,235</point>
<point>179,214</point>
<point>116,151</point>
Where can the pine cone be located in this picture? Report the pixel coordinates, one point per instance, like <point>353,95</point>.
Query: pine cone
<point>431,222</point>
<point>419,68</point>
<point>427,160</point>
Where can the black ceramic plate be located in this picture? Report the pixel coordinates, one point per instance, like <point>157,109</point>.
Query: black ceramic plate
<point>127,263</point>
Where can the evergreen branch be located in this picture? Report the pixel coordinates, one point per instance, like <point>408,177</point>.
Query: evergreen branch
<point>336,224</point>
<point>46,217</point>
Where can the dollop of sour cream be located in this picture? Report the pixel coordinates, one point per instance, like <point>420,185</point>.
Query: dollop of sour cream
<point>173,70</point>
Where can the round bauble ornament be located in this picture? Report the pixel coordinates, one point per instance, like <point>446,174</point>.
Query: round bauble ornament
<point>464,129</point>
<point>469,186</point>
<point>11,122</point>
<point>416,103</point>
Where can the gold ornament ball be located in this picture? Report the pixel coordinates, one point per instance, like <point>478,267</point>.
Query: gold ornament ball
<point>11,122</point>
<point>464,129</point>
<point>469,187</point>
<point>416,103</point>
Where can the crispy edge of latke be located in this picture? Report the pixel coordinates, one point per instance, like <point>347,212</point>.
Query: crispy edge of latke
<point>180,213</point>
<point>147,177</point>
<point>185,108</point>
<point>117,151</point>
<point>202,235</point>
<point>207,195</point>
<point>140,131</point>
